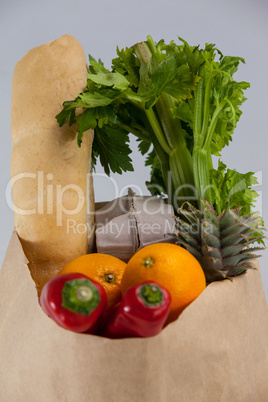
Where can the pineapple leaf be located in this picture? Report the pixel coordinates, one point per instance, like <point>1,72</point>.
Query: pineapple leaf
<point>213,274</point>
<point>210,215</point>
<point>251,240</point>
<point>248,263</point>
<point>210,262</point>
<point>189,248</point>
<point>211,251</point>
<point>232,250</point>
<point>238,259</point>
<point>189,239</point>
<point>208,207</point>
<point>198,214</point>
<point>210,227</point>
<point>210,240</point>
<point>193,219</point>
<point>185,229</point>
<point>251,249</point>
<point>235,271</point>
<point>252,219</point>
<point>234,228</point>
<point>250,234</point>
<point>221,243</point>
<point>228,218</point>
<point>232,238</point>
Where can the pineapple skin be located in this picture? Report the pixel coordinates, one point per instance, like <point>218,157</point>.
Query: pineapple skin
<point>221,243</point>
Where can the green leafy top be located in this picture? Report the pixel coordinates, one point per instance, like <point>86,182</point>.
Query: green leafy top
<point>231,188</point>
<point>182,104</point>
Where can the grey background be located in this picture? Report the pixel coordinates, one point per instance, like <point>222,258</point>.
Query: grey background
<point>237,27</point>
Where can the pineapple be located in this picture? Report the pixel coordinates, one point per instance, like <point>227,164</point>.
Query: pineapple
<point>220,243</point>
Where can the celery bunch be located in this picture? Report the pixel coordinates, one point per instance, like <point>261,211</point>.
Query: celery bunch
<point>182,104</point>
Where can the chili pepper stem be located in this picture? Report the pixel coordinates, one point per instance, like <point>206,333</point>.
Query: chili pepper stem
<point>151,294</point>
<point>83,293</point>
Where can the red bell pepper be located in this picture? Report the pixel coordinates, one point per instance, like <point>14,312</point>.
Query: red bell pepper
<point>74,302</point>
<point>142,312</point>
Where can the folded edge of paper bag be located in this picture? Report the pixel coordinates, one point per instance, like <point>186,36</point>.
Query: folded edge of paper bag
<point>14,255</point>
<point>216,351</point>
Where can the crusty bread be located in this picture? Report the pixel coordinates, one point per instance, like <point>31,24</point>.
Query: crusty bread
<point>50,188</point>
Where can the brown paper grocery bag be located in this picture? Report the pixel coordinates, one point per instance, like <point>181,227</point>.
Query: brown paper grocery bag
<point>216,351</point>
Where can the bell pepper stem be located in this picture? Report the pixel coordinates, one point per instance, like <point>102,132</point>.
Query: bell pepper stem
<point>151,295</point>
<point>80,296</point>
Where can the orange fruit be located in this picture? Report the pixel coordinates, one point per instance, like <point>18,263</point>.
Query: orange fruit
<point>172,267</point>
<point>102,268</point>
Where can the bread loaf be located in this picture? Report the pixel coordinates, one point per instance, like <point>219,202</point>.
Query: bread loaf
<point>51,189</point>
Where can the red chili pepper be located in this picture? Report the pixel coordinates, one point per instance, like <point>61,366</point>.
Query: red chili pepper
<point>142,312</point>
<point>74,302</point>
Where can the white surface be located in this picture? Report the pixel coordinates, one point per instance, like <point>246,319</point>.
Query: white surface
<point>237,27</point>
